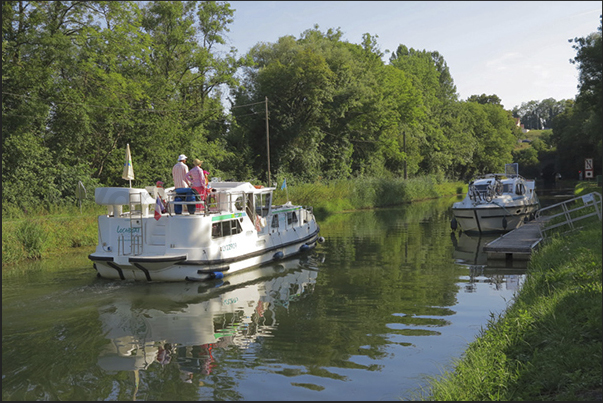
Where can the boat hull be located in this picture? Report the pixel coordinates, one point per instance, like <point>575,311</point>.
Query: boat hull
<point>180,268</point>
<point>493,218</point>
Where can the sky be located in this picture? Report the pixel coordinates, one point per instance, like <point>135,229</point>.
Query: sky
<point>517,50</point>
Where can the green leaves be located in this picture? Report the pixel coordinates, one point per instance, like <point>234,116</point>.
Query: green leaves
<point>83,79</point>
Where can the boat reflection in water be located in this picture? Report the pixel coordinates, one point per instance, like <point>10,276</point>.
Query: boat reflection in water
<point>164,322</point>
<point>469,252</point>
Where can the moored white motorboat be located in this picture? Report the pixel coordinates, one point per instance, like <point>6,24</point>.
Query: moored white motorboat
<point>235,229</point>
<point>496,203</point>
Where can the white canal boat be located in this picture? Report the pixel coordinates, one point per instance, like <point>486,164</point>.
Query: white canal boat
<point>237,228</point>
<point>496,203</point>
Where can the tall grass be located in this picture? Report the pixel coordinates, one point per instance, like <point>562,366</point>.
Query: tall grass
<point>344,195</point>
<point>548,344</point>
<point>35,235</point>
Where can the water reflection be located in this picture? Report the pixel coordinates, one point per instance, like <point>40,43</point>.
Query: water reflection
<point>469,252</point>
<point>182,324</point>
<point>394,299</point>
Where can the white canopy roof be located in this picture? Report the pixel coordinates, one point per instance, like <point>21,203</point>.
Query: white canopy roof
<point>121,196</point>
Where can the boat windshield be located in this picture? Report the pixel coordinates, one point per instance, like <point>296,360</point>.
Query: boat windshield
<point>482,189</point>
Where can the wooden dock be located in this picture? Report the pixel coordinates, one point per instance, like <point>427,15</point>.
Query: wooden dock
<point>516,244</point>
<point>566,215</point>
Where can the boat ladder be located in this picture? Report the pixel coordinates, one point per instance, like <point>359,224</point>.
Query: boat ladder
<point>136,233</point>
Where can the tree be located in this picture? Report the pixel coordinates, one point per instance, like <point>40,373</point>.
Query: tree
<point>589,59</point>
<point>577,132</point>
<point>37,39</point>
<point>485,99</point>
<point>495,136</point>
<point>80,80</point>
<point>437,124</point>
<point>538,115</point>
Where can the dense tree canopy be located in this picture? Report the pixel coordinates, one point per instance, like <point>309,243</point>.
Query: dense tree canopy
<point>577,131</point>
<point>80,80</point>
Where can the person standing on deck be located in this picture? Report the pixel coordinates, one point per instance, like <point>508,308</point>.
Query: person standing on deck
<point>180,172</point>
<point>197,180</point>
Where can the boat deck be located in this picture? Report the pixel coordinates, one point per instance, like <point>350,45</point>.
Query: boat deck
<point>517,243</point>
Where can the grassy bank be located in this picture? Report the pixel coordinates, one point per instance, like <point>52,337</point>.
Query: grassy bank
<point>41,234</point>
<point>548,344</point>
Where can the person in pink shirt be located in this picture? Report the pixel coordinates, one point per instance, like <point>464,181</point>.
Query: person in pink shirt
<point>197,180</point>
<point>180,172</point>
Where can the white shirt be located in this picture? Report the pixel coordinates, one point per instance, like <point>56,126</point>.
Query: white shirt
<point>179,172</point>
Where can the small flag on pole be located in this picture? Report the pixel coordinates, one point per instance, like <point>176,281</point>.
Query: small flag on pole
<point>128,173</point>
<point>284,186</point>
<point>158,208</point>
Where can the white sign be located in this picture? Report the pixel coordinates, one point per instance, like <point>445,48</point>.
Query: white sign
<point>588,168</point>
<point>588,164</point>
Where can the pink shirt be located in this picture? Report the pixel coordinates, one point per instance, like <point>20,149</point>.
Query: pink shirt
<point>179,173</point>
<point>196,177</point>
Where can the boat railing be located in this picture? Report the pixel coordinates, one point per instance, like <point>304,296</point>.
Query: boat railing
<point>567,215</point>
<point>193,204</point>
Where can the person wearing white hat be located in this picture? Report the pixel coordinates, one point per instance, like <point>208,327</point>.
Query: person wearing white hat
<point>180,172</point>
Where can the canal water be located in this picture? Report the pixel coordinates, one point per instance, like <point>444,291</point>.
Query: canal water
<point>391,298</point>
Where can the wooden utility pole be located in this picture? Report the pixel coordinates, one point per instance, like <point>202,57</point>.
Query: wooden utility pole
<point>268,143</point>
<point>405,156</point>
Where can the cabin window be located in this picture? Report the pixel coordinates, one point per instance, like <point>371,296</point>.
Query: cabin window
<point>275,221</point>
<point>520,189</point>
<point>507,188</point>
<point>262,204</point>
<point>226,228</point>
<point>482,189</point>
<point>239,203</point>
<point>291,218</point>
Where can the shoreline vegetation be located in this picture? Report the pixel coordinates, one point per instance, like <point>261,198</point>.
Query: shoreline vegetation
<point>547,345</point>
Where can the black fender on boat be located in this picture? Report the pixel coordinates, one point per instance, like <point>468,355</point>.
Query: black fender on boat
<point>211,276</point>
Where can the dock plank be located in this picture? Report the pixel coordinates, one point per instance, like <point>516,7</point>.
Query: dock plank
<point>518,243</point>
